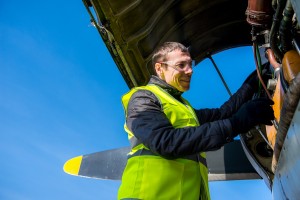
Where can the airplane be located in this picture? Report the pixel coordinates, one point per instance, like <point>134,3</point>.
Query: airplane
<point>132,29</point>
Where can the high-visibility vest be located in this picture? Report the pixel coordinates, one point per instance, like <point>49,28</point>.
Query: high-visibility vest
<point>149,176</point>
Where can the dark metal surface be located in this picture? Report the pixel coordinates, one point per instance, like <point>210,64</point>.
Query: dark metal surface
<point>133,29</point>
<point>230,163</point>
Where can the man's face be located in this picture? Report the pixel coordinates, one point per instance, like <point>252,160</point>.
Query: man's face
<point>177,70</point>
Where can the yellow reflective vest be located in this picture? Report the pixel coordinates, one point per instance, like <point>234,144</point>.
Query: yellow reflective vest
<point>149,176</point>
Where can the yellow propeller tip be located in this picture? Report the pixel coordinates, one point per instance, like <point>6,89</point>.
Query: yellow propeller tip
<point>72,166</point>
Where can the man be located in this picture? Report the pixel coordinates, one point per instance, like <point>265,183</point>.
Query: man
<point>168,137</point>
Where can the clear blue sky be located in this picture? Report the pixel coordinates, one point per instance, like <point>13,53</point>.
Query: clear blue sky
<point>60,97</point>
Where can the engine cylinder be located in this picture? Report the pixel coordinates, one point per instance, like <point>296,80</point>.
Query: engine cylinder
<point>259,12</point>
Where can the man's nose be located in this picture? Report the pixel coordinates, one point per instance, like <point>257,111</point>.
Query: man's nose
<point>189,70</point>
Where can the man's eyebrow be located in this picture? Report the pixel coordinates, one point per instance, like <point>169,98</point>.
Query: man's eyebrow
<point>184,61</point>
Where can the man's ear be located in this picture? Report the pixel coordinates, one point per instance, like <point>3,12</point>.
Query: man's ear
<point>158,67</point>
<point>159,70</point>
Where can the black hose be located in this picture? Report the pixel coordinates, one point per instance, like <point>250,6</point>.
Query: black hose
<point>285,28</point>
<point>274,30</point>
<point>290,103</point>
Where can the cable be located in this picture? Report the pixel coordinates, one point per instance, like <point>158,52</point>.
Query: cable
<point>218,71</point>
<point>258,71</point>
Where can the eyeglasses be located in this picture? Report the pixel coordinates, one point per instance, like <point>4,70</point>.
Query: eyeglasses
<point>180,66</point>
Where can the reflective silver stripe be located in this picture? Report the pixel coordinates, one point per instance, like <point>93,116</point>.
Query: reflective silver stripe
<point>195,157</point>
<point>134,142</point>
<point>202,160</point>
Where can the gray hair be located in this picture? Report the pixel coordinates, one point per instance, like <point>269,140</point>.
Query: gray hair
<point>160,53</point>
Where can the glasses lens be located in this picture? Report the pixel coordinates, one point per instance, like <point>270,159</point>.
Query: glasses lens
<point>185,65</point>
<point>181,66</point>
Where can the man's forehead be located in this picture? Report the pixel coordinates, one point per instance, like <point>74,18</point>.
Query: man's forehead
<point>178,52</point>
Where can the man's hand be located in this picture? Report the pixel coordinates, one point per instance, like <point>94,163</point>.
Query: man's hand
<point>254,112</point>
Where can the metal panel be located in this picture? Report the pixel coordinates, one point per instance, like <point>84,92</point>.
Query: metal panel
<point>132,29</point>
<point>286,181</point>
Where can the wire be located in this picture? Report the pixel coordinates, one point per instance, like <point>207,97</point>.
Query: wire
<point>258,70</point>
<point>263,136</point>
<point>220,75</point>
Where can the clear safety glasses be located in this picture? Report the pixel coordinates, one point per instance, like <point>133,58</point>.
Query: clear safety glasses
<point>181,65</point>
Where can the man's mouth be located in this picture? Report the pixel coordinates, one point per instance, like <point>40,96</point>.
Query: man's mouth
<point>186,80</point>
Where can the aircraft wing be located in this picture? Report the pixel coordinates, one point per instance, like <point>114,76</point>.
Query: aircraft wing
<point>132,29</point>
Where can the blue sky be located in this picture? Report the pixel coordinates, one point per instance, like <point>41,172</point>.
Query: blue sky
<point>60,98</point>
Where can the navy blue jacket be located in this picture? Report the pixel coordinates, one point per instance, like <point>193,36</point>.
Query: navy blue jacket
<point>151,127</point>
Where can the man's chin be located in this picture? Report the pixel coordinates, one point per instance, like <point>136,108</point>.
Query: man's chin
<point>184,88</point>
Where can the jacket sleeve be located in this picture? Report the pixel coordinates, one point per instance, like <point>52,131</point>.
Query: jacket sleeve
<point>150,126</point>
<point>244,94</point>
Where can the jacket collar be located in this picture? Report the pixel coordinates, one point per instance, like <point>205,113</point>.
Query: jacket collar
<point>168,88</point>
